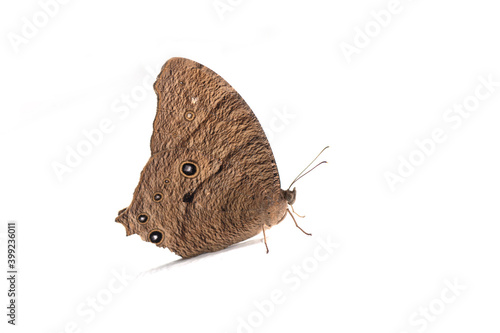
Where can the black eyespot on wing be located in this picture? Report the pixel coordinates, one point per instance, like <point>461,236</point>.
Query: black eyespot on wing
<point>143,218</point>
<point>156,236</point>
<point>157,197</point>
<point>189,169</point>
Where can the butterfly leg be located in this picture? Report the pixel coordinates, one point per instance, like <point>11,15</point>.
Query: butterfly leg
<point>297,213</point>
<point>288,210</point>
<point>265,242</point>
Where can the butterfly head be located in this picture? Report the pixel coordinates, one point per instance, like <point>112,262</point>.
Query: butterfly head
<point>290,196</point>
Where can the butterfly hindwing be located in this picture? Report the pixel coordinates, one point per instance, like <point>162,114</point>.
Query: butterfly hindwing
<point>202,121</point>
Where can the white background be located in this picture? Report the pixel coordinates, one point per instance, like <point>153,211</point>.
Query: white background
<point>399,249</point>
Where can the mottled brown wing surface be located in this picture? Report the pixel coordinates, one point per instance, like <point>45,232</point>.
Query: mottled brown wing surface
<point>203,121</point>
<point>195,105</point>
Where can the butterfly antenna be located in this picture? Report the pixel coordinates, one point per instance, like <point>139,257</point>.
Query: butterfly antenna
<point>302,174</point>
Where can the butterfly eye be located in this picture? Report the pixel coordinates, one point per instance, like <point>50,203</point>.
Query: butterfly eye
<point>155,236</point>
<point>157,197</point>
<point>189,115</point>
<point>189,169</point>
<point>143,218</point>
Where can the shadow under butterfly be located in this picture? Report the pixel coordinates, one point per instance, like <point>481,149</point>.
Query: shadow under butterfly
<point>211,180</point>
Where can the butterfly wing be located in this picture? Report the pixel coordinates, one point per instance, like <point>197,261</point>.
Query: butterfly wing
<point>203,122</point>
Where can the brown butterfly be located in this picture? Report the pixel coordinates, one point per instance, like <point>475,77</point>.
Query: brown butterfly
<point>211,180</point>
